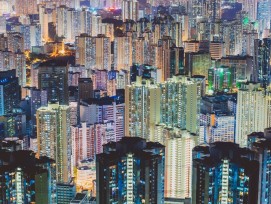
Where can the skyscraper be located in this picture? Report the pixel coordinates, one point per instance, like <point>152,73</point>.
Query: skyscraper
<point>25,178</point>
<point>261,58</point>
<point>10,93</point>
<point>132,171</point>
<point>252,112</point>
<point>53,77</point>
<point>142,109</point>
<point>178,160</point>
<point>123,56</point>
<point>130,10</point>
<point>82,143</point>
<point>54,138</point>
<point>85,88</point>
<point>180,102</point>
<point>223,173</point>
<point>260,142</point>
<point>93,52</point>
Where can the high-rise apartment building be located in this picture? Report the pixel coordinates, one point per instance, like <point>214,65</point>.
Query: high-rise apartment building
<point>53,77</point>
<point>103,111</point>
<point>94,52</point>
<point>15,42</point>
<point>261,59</point>
<point>82,143</point>
<point>62,21</point>
<point>10,93</point>
<point>26,179</point>
<point>130,10</point>
<point>180,102</point>
<point>102,52</point>
<point>252,112</point>
<point>134,165</point>
<point>142,109</point>
<point>178,160</point>
<point>217,119</point>
<point>26,7</point>
<point>85,88</point>
<point>54,138</point>
<point>123,53</point>
<point>223,173</point>
<point>260,143</point>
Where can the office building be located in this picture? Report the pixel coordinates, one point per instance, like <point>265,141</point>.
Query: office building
<point>221,79</point>
<point>197,63</point>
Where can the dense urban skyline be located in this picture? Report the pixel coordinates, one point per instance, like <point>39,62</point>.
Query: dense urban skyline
<point>135,101</point>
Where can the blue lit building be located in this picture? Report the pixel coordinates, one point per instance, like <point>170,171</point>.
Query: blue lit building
<point>65,192</point>
<point>262,61</point>
<point>131,171</point>
<point>224,174</point>
<point>10,92</point>
<point>26,179</point>
<point>261,143</point>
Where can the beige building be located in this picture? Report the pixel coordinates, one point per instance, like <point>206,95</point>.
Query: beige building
<point>54,138</point>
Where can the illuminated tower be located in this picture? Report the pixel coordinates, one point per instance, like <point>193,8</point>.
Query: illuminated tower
<point>20,66</point>
<point>82,143</point>
<point>135,165</point>
<point>222,173</point>
<point>178,173</point>
<point>73,24</point>
<point>251,113</point>
<point>142,109</point>
<point>26,179</point>
<point>84,51</point>
<point>102,52</point>
<point>54,138</point>
<point>10,93</point>
<point>25,7</point>
<point>123,56</point>
<point>260,142</point>
<point>262,51</point>
<point>130,10</point>
<point>180,102</point>
<point>53,77</point>
<point>61,23</point>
